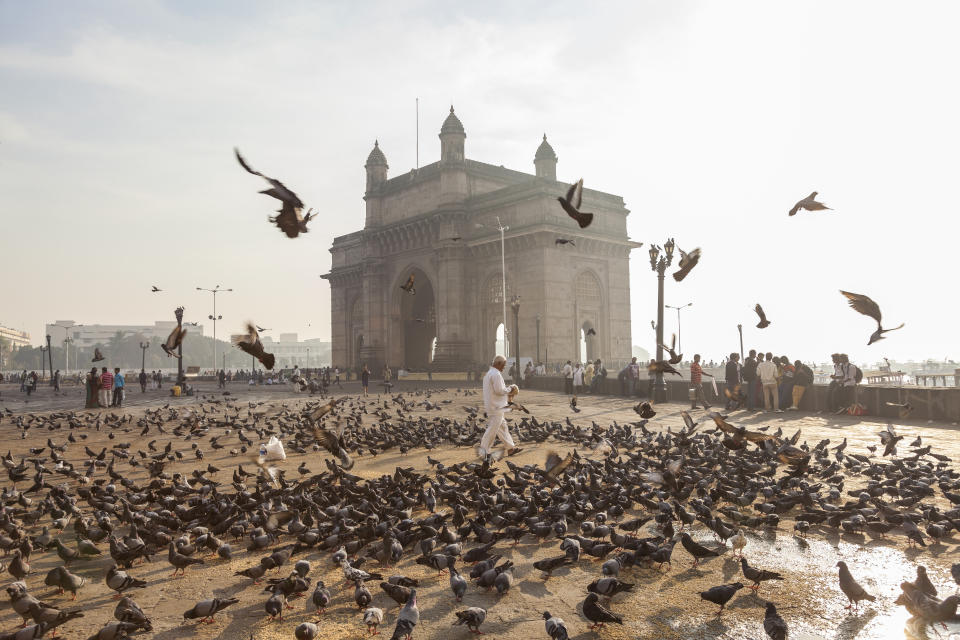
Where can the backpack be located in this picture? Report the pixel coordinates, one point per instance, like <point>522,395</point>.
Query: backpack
<point>857,374</point>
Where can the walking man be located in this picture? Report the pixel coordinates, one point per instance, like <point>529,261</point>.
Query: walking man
<point>106,387</point>
<point>119,386</point>
<point>56,380</point>
<point>142,379</point>
<point>767,371</point>
<point>634,376</point>
<point>495,398</point>
<point>696,383</point>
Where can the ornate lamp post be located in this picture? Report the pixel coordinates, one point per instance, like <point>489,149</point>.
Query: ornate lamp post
<point>143,354</point>
<point>178,312</point>
<point>43,362</point>
<point>50,359</point>
<point>659,264</point>
<point>214,317</point>
<point>679,309</point>
<point>740,330</point>
<point>515,305</point>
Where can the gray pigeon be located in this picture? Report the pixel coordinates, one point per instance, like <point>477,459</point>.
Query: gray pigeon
<point>373,618</point>
<point>306,631</point>
<point>206,609</point>
<point>472,617</point>
<point>556,628</point>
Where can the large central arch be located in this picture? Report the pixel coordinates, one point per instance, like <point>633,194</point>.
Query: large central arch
<point>418,321</point>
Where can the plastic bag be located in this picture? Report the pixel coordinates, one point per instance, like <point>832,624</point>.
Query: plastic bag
<point>275,449</point>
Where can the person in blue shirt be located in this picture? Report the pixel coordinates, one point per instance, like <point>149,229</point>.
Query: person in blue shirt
<point>118,387</point>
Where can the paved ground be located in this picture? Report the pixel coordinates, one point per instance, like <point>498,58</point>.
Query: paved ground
<point>664,604</point>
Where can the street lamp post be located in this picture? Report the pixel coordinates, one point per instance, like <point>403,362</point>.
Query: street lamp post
<point>66,341</point>
<point>503,281</point>
<point>659,264</point>
<point>684,306</point>
<point>50,359</point>
<point>178,312</point>
<point>214,317</point>
<point>539,317</point>
<point>43,362</point>
<point>143,355</point>
<point>515,305</point>
<point>740,330</point>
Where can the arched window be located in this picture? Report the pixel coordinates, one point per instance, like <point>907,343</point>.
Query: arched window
<point>587,289</point>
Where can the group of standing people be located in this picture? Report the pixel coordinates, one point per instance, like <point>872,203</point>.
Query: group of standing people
<point>778,382</point>
<point>583,379</point>
<point>105,389</point>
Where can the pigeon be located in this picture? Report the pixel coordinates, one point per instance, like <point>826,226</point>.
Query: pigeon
<point>809,203</point>
<point>290,221</point>
<point>923,584</point>
<point>320,597</point>
<point>862,304</point>
<point>764,323</point>
<point>687,262</point>
<point>609,587</point>
<point>757,575</point>
<point>571,204</point>
<point>206,609</point>
<point>675,357</point>
<point>250,343</point>
<point>663,367</point>
<point>97,356</point>
<point>61,578</point>
<point>458,584</point>
<point>129,611</point>
<point>408,285</point>
<point>114,631</point>
<point>153,289</point>
<point>555,627</point>
<point>721,595</point>
<point>173,341</point>
<point>851,588</point>
<point>739,541</point>
<point>407,619</point>
<point>548,565</point>
<point>645,410</point>
<point>120,581</point>
<point>565,241</point>
<point>53,618</point>
<point>472,617</point>
<point>373,618</point>
<point>698,551</point>
<point>598,614</point>
<point>773,625</point>
<point>329,441</point>
<point>306,631</point>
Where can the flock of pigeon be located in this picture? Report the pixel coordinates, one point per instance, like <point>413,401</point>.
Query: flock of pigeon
<point>622,496</point>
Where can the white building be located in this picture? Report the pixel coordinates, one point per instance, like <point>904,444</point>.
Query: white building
<point>290,351</point>
<point>16,338</point>
<point>88,335</point>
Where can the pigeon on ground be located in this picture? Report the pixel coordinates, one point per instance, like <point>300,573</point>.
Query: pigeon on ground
<point>851,588</point>
<point>695,549</point>
<point>206,609</point>
<point>373,618</point>
<point>598,614</point>
<point>472,617</point>
<point>773,625</point>
<point>721,595</point>
<point>555,627</point>
<point>757,575</point>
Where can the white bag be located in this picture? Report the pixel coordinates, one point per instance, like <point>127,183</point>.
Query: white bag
<point>275,449</point>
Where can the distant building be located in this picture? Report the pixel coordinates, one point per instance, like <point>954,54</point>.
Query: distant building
<point>16,338</point>
<point>89,335</point>
<point>290,352</point>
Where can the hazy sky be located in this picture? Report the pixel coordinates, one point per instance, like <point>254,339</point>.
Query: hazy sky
<point>118,119</point>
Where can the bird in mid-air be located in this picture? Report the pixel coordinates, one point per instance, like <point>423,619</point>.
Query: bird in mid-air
<point>868,307</point>
<point>250,343</point>
<point>764,323</point>
<point>809,203</point>
<point>590,332</point>
<point>97,356</point>
<point>291,219</point>
<point>173,341</point>
<point>408,285</point>
<point>571,204</point>
<point>261,329</point>
<point>153,289</point>
<point>687,262</point>
<point>674,356</point>
<point>565,241</point>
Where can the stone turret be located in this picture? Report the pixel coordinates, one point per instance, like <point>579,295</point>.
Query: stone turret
<point>545,160</point>
<point>376,168</point>
<point>453,173</point>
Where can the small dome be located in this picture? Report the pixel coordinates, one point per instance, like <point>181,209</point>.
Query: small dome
<point>545,151</point>
<point>376,156</point>
<point>452,124</point>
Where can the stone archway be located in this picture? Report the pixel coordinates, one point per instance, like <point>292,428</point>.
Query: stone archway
<point>418,321</point>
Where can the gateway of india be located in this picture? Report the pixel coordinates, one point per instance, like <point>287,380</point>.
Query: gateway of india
<point>440,224</point>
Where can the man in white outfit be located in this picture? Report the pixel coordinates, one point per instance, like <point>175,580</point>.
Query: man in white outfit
<point>495,392</point>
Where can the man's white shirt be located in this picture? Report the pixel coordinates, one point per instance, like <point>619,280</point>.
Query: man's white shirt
<point>495,391</point>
